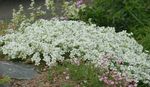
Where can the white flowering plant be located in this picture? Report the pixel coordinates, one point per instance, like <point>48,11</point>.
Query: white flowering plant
<point>19,16</point>
<point>52,40</point>
<point>70,10</point>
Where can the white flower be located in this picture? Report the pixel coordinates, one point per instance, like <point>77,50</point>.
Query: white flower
<point>36,58</point>
<point>55,40</point>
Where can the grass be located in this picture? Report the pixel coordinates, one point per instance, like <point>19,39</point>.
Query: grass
<point>4,79</point>
<point>3,27</point>
<point>67,85</point>
<point>83,75</point>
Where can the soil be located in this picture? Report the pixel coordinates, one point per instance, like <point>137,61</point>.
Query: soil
<point>42,80</point>
<point>1,77</point>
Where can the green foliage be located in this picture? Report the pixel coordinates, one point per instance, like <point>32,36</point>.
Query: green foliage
<point>4,80</point>
<point>141,84</point>
<point>49,75</point>
<point>68,10</point>
<point>19,16</point>
<point>3,26</point>
<point>118,13</point>
<point>142,35</point>
<point>83,74</point>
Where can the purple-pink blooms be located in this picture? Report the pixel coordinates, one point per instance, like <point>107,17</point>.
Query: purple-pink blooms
<point>79,3</point>
<point>113,78</point>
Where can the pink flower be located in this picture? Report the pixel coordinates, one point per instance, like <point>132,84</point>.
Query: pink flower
<point>120,62</point>
<point>111,82</point>
<point>78,3</point>
<point>131,86</point>
<point>105,77</point>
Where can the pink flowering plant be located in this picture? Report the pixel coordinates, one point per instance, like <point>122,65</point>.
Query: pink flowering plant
<point>79,3</point>
<point>113,76</point>
<point>71,9</point>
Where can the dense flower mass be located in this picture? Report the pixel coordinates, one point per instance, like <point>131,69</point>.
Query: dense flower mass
<point>54,40</point>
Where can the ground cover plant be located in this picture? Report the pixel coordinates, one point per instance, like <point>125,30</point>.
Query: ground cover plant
<point>53,41</point>
<point>115,59</point>
<point>142,35</point>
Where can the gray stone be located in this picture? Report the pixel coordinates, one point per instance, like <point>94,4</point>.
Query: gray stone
<point>17,70</point>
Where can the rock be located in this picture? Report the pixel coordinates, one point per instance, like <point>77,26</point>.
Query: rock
<point>17,70</point>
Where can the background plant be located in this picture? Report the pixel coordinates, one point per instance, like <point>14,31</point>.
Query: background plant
<point>121,14</point>
<point>142,35</point>
<point>3,26</point>
<point>133,16</point>
<point>19,16</point>
<point>70,10</point>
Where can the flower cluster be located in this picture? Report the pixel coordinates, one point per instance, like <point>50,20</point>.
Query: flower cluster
<point>114,76</point>
<point>50,5</point>
<point>19,16</point>
<point>115,79</point>
<point>54,40</point>
<point>79,3</point>
<point>71,10</point>
<point>132,69</point>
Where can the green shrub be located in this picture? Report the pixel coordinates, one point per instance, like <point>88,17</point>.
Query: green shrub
<point>142,35</point>
<point>118,13</point>
<point>141,84</point>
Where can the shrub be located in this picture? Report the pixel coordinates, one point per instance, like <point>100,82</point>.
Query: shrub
<point>142,35</point>
<point>120,14</point>
<point>53,41</point>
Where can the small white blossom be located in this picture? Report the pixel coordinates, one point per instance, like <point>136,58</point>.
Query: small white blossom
<point>55,40</point>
